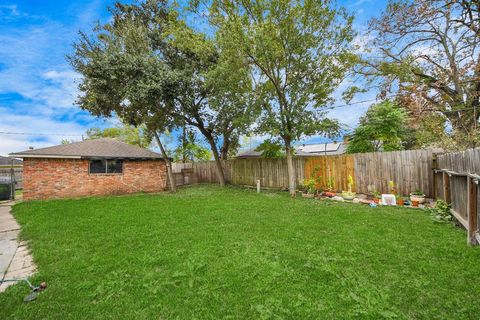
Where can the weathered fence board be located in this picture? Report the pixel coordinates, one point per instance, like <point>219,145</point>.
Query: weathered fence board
<point>337,168</point>
<point>272,173</point>
<point>409,170</point>
<point>184,177</point>
<point>179,166</point>
<point>458,195</point>
<point>207,171</point>
<point>460,172</point>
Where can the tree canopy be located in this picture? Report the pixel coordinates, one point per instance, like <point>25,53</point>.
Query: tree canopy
<point>296,52</point>
<point>126,133</point>
<point>149,68</point>
<point>271,149</point>
<point>189,149</point>
<point>428,50</point>
<point>384,127</point>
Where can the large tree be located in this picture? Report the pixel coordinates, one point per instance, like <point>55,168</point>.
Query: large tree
<point>122,74</point>
<point>149,67</point>
<point>297,53</point>
<point>124,132</point>
<point>189,149</point>
<point>384,127</point>
<point>429,50</point>
<point>208,97</point>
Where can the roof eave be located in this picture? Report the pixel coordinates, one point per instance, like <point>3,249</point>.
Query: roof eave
<point>122,158</point>
<point>51,156</point>
<point>57,156</point>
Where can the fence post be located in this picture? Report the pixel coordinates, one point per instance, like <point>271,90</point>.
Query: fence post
<point>12,182</point>
<point>434,168</point>
<point>472,210</point>
<point>446,188</point>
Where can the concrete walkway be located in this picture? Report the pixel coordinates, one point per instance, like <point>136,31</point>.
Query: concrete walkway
<point>15,260</point>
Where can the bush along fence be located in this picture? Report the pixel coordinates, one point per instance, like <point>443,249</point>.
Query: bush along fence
<point>457,176</point>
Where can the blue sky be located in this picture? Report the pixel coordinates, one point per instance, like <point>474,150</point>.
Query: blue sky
<point>38,87</point>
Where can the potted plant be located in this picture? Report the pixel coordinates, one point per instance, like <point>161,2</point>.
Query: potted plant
<point>417,196</point>
<point>376,196</point>
<point>349,195</point>
<point>391,185</point>
<point>400,201</point>
<point>310,188</point>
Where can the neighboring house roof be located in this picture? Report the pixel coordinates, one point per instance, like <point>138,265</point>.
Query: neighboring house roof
<point>305,150</point>
<point>7,161</point>
<point>106,148</point>
<point>329,149</point>
<point>252,153</point>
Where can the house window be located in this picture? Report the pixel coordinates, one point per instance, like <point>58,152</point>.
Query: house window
<point>106,166</point>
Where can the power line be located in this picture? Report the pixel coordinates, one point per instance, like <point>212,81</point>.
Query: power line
<point>326,108</point>
<point>40,134</point>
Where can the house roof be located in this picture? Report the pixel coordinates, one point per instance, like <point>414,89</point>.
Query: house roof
<point>331,148</point>
<point>252,153</point>
<point>7,161</point>
<point>106,148</point>
<point>305,150</point>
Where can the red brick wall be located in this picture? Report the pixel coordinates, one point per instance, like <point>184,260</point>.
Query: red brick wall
<point>69,178</point>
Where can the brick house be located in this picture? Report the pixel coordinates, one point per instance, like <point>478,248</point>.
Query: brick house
<point>91,168</point>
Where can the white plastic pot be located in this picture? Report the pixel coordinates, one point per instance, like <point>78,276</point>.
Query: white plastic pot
<point>420,199</point>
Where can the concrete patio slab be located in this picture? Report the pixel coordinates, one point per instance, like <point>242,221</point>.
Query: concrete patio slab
<point>15,259</point>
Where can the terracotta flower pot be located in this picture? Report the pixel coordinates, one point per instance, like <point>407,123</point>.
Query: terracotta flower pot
<point>400,202</point>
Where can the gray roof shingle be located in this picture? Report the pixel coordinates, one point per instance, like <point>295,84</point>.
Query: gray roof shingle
<point>6,161</point>
<point>96,148</point>
<point>306,150</point>
<point>252,153</point>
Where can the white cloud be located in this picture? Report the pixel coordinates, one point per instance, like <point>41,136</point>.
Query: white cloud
<point>37,86</point>
<point>28,124</point>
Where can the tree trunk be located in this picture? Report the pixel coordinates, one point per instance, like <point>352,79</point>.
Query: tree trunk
<point>171,178</point>
<point>184,144</point>
<point>290,168</point>
<point>224,148</point>
<point>218,162</point>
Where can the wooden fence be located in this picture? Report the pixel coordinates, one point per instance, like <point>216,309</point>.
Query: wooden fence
<point>409,170</point>
<point>272,173</point>
<point>456,181</point>
<point>333,169</point>
<point>206,171</point>
<point>183,174</point>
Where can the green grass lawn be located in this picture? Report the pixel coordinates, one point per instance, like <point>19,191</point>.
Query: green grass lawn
<point>210,253</point>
